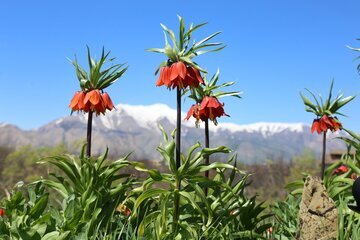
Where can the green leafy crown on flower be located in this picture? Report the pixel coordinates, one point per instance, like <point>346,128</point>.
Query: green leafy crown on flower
<point>97,78</point>
<point>209,89</point>
<point>329,107</point>
<point>183,48</point>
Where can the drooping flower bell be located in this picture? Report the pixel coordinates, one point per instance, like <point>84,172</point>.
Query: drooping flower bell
<point>179,75</point>
<point>93,100</point>
<point>194,112</point>
<point>211,108</point>
<point>325,123</point>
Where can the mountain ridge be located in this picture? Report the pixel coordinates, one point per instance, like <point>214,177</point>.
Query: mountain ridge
<point>135,127</point>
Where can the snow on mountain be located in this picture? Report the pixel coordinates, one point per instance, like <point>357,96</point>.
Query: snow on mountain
<point>145,116</point>
<point>148,117</point>
<point>265,128</point>
<point>135,128</point>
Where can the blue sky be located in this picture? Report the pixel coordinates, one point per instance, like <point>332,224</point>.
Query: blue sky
<point>274,50</point>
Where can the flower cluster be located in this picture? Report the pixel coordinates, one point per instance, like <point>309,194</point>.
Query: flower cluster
<point>93,100</point>
<point>340,170</point>
<point>209,108</point>
<point>344,169</point>
<point>179,75</point>
<point>325,123</point>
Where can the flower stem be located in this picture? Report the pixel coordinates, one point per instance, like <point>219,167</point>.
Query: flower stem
<point>178,127</point>
<point>88,136</point>
<point>177,157</point>
<point>207,145</point>
<point>323,156</point>
<point>176,205</point>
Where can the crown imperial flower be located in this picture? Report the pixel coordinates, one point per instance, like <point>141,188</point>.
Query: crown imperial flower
<point>179,75</point>
<point>179,70</point>
<point>340,170</point>
<point>210,108</point>
<point>92,97</point>
<point>325,123</point>
<point>325,111</point>
<point>93,100</point>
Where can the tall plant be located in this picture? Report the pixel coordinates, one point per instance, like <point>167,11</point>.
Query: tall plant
<point>91,97</point>
<point>224,214</point>
<point>181,72</point>
<point>207,106</point>
<point>325,116</point>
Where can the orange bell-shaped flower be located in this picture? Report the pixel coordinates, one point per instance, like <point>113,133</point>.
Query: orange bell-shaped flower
<point>179,75</point>
<point>107,101</point>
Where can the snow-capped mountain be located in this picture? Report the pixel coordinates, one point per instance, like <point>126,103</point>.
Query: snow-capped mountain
<point>135,128</point>
<point>265,128</point>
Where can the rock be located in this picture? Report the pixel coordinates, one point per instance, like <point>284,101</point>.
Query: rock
<point>318,216</point>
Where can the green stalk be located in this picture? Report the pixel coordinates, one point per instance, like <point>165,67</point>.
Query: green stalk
<point>88,135</point>
<point>178,127</point>
<point>323,156</point>
<point>176,204</point>
<point>207,145</point>
<point>178,163</point>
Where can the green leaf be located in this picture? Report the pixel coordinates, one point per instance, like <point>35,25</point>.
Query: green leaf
<point>158,50</point>
<point>170,33</point>
<point>57,187</point>
<point>340,103</point>
<point>181,33</point>
<point>39,206</point>
<point>224,94</point>
<point>192,29</point>
<point>218,165</point>
<point>198,44</point>
<point>191,199</point>
<point>148,194</point>
<point>208,151</point>
<point>308,103</point>
<point>327,103</point>
<point>155,174</point>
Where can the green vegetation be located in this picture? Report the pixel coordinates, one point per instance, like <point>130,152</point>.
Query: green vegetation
<point>49,194</point>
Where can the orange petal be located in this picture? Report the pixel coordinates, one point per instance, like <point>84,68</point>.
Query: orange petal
<point>193,111</point>
<point>336,124</point>
<point>327,121</point>
<point>323,126</point>
<point>74,101</point>
<point>181,68</point>
<point>213,103</point>
<point>81,104</point>
<point>93,97</point>
<point>315,126</point>
<point>160,80</point>
<point>204,103</point>
<point>173,72</point>
<point>166,76</point>
<point>107,101</point>
<point>197,75</point>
